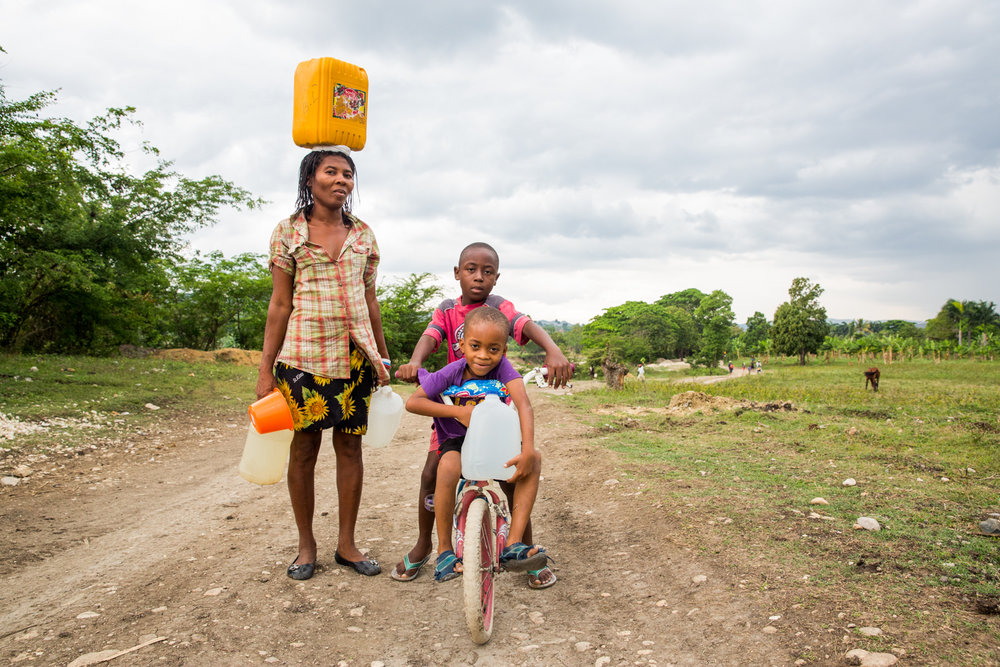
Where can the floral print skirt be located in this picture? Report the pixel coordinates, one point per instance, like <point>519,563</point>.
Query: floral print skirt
<point>319,403</point>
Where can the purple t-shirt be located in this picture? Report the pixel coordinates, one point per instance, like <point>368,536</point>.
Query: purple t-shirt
<point>435,383</point>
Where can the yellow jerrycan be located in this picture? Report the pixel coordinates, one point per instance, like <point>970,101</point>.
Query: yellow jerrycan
<point>330,104</point>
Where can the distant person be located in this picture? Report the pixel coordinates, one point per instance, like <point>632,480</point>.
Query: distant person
<point>477,272</point>
<point>484,344</point>
<point>731,368</point>
<point>641,372</point>
<point>325,361</point>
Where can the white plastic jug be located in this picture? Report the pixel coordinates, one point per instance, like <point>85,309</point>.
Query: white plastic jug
<point>265,456</point>
<point>494,438</point>
<point>384,413</point>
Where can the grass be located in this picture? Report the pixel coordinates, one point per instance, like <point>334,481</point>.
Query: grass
<point>109,395</point>
<point>924,450</point>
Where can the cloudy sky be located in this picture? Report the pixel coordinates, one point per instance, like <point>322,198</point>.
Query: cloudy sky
<point>610,150</point>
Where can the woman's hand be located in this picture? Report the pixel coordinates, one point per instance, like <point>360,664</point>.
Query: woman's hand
<point>265,384</point>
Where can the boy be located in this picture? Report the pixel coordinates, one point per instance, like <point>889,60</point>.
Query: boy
<point>477,273</point>
<point>483,344</point>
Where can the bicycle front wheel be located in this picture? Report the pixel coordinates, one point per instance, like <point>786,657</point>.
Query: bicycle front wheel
<point>477,569</point>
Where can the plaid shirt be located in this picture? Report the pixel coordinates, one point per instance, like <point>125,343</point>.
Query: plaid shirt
<point>328,303</point>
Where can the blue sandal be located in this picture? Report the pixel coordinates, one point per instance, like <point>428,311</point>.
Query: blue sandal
<point>515,558</point>
<point>444,566</point>
<point>541,578</point>
<point>409,567</point>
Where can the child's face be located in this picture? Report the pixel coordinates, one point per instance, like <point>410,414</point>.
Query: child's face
<point>484,345</point>
<point>477,273</point>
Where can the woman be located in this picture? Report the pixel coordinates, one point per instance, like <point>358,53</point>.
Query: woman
<point>323,345</point>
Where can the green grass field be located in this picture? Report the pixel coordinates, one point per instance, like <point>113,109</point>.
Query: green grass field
<point>924,451</point>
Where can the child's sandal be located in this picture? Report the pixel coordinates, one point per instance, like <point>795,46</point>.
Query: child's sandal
<point>444,566</point>
<point>542,578</point>
<point>515,557</point>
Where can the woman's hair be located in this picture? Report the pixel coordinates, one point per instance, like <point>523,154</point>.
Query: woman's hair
<point>310,163</point>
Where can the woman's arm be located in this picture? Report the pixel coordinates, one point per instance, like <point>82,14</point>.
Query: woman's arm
<point>375,317</point>
<point>279,309</point>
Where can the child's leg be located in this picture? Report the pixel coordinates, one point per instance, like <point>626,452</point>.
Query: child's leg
<point>448,473</point>
<point>525,492</point>
<point>508,490</point>
<point>425,518</point>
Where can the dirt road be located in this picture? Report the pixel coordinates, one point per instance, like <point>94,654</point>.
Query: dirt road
<point>118,548</point>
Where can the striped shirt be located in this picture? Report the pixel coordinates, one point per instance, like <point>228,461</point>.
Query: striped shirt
<point>448,322</point>
<point>328,303</point>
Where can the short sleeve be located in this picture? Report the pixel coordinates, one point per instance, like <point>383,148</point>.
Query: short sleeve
<point>371,267</point>
<point>506,371</point>
<point>278,253</point>
<point>437,327</point>
<point>517,321</point>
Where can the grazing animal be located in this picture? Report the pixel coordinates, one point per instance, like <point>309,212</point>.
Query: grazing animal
<point>871,376</point>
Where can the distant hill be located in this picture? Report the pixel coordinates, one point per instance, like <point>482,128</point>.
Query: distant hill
<point>920,324</point>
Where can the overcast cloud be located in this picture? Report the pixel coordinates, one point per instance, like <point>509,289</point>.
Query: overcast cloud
<point>610,151</point>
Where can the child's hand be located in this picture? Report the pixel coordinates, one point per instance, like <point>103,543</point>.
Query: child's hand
<point>559,369</point>
<point>526,465</point>
<point>407,372</point>
<point>465,414</point>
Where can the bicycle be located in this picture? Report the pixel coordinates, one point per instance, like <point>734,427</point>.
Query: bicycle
<point>482,525</point>
<point>482,522</point>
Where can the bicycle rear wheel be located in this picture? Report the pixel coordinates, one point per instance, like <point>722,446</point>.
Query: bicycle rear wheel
<point>477,570</point>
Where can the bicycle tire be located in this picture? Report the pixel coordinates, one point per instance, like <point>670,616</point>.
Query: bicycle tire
<point>478,569</point>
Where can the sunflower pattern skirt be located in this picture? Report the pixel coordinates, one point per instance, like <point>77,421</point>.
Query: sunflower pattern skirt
<point>319,403</point>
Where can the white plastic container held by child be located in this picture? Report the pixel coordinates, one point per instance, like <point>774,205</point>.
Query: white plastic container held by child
<point>265,456</point>
<point>384,413</point>
<point>494,437</point>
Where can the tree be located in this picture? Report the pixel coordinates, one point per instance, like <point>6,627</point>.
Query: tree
<point>406,306</point>
<point>633,331</point>
<point>800,324</point>
<point>715,315</point>
<point>215,298</point>
<point>758,330</point>
<point>84,244</point>
<point>688,299</point>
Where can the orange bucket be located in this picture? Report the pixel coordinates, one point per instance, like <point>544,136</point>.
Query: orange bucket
<point>271,413</point>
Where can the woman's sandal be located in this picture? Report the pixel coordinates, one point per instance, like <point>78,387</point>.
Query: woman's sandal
<point>444,566</point>
<point>411,569</point>
<point>542,578</point>
<point>515,557</point>
<point>301,571</point>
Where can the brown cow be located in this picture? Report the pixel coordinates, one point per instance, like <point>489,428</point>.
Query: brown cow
<point>872,375</point>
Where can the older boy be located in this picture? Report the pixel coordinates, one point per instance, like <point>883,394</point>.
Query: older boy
<point>477,273</point>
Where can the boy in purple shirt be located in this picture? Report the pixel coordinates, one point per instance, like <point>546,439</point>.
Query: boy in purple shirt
<point>484,344</point>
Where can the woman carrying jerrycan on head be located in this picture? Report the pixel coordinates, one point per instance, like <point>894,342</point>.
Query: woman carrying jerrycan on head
<point>323,345</point>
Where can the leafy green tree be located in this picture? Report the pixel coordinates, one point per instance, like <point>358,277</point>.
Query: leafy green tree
<point>758,330</point>
<point>84,244</point>
<point>715,315</point>
<point>407,305</point>
<point>800,324</point>
<point>688,299</point>
<point>634,330</point>
<point>901,328</point>
<point>216,298</point>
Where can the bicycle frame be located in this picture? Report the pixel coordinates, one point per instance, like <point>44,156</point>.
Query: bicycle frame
<point>469,490</point>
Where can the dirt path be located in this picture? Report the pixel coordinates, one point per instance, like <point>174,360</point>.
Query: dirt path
<point>117,549</point>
